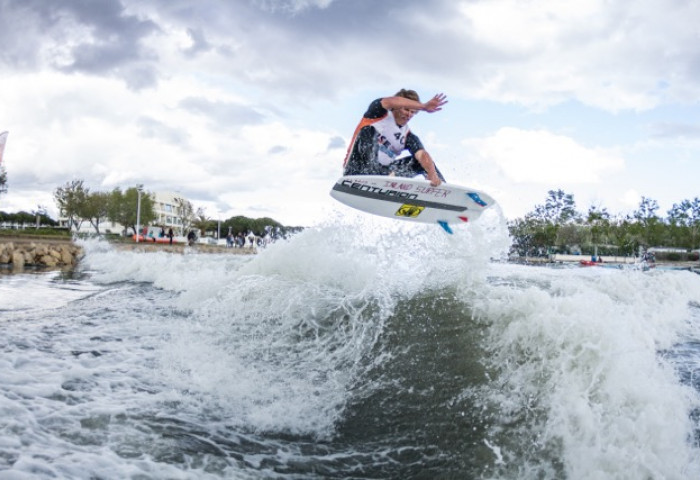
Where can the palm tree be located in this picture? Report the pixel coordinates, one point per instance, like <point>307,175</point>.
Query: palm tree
<point>201,222</point>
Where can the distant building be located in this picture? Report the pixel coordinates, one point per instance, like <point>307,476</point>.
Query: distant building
<point>168,215</point>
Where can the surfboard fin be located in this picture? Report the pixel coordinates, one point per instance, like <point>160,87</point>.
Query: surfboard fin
<point>477,199</point>
<point>445,226</point>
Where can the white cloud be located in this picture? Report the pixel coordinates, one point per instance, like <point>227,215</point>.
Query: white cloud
<point>631,198</point>
<point>611,55</point>
<point>522,27</point>
<point>99,131</point>
<point>541,157</point>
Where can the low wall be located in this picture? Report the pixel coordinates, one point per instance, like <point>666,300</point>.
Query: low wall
<point>39,254</point>
<point>559,257</point>
<point>182,248</point>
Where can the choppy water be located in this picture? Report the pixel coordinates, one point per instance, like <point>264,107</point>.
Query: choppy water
<point>360,349</point>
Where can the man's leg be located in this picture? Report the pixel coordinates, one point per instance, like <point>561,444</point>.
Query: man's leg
<point>363,154</point>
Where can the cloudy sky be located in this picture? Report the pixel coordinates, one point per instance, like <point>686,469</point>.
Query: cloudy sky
<point>246,107</point>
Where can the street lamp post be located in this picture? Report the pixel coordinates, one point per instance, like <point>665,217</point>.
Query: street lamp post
<point>138,211</point>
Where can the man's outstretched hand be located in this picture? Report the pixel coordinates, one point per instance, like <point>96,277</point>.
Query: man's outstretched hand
<point>435,104</point>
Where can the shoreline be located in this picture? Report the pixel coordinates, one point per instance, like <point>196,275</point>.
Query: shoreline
<point>47,253</point>
<point>662,264</point>
<point>148,247</point>
<point>17,252</point>
<point>39,253</point>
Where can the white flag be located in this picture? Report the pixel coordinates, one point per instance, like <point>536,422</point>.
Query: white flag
<point>3,139</point>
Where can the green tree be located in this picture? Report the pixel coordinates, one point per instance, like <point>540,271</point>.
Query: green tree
<point>685,216</point>
<point>556,223</point>
<point>201,222</point>
<point>259,226</point>
<point>69,199</point>
<point>623,234</point>
<point>185,213</point>
<point>20,218</point>
<point>646,210</point>
<point>95,208</point>
<point>122,207</point>
<point>648,225</point>
<point>559,208</point>
<point>598,222</point>
<point>529,236</point>
<point>571,234</point>
<point>546,220</point>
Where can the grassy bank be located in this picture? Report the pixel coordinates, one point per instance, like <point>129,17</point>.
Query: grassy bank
<point>36,234</point>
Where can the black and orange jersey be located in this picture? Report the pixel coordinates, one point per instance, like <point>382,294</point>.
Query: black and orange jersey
<point>377,138</point>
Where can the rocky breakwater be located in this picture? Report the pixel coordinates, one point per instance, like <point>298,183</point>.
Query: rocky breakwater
<point>45,254</point>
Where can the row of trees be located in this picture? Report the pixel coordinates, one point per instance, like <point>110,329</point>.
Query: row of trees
<point>556,226</point>
<point>78,204</point>
<point>37,218</point>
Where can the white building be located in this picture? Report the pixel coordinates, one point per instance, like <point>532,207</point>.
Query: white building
<point>168,214</point>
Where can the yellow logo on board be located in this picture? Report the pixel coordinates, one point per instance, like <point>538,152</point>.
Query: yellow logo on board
<point>408,210</point>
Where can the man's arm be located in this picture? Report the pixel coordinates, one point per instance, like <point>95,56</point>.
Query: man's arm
<point>426,161</point>
<point>433,105</point>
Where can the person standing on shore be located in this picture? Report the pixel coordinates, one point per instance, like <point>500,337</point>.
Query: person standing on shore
<point>170,235</point>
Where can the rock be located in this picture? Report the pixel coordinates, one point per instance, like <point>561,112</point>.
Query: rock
<point>41,254</point>
<point>49,260</point>
<point>17,259</point>
<point>66,257</point>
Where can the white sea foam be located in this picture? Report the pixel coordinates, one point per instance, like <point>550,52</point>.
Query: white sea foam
<point>580,357</point>
<point>39,290</point>
<point>281,340</point>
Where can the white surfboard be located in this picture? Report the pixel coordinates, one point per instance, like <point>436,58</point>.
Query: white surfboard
<point>412,199</point>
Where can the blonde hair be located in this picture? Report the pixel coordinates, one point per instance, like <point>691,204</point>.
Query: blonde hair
<point>410,94</point>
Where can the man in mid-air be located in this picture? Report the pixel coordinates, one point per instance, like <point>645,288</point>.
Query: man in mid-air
<point>383,134</point>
